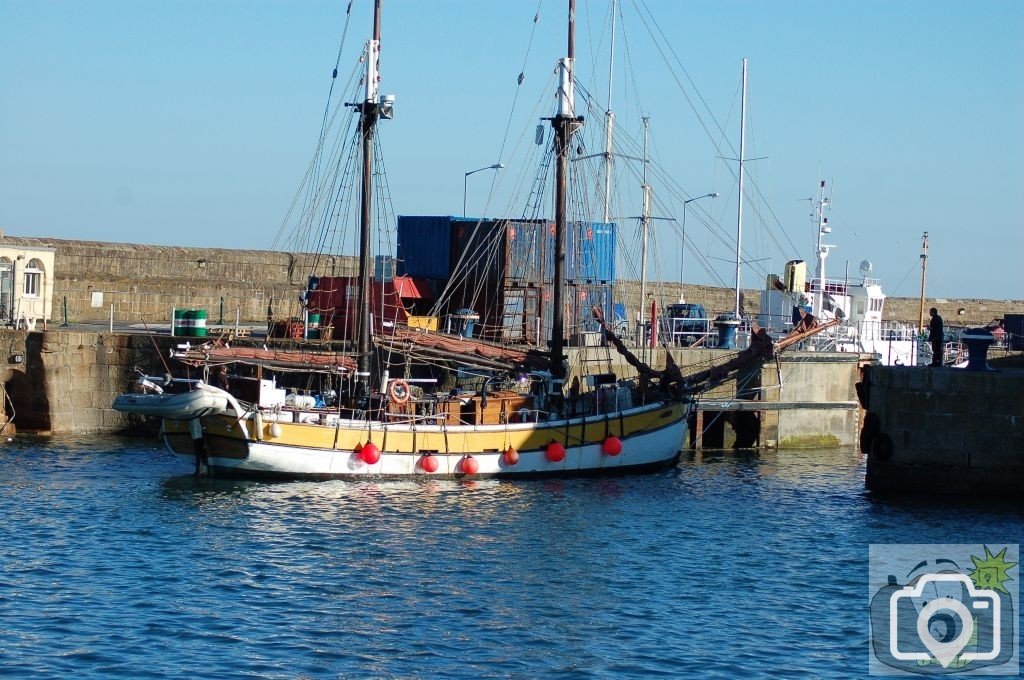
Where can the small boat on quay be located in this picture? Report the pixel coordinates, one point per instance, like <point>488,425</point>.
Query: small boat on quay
<point>524,417</point>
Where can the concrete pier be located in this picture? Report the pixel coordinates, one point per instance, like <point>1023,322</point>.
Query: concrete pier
<point>944,430</point>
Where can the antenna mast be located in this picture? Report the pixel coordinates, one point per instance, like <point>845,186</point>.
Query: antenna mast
<point>924,267</point>
<point>609,123</point>
<point>739,200</point>
<point>645,218</point>
<point>822,249</point>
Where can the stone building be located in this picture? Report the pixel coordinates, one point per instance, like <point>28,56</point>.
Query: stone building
<point>27,280</point>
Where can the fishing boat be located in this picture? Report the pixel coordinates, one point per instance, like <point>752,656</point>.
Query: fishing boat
<point>855,304</point>
<point>374,418</point>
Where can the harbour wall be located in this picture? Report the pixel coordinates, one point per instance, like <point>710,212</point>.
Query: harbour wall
<point>145,282</point>
<point>65,381</point>
<point>945,431</point>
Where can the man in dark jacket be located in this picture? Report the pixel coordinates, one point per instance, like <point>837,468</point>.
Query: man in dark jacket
<point>935,332</point>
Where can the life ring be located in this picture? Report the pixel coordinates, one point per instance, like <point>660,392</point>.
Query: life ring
<point>398,390</point>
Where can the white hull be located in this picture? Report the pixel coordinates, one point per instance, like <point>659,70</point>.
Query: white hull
<point>655,446</point>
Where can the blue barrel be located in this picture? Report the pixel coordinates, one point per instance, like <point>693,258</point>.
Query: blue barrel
<point>727,326</point>
<point>313,327</point>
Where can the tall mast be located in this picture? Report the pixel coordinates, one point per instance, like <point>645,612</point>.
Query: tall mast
<point>821,248</point>
<point>609,123</point>
<point>645,219</point>
<point>564,124</point>
<point>369,109</point>
<point>739,199</point>
<point>924,267</point>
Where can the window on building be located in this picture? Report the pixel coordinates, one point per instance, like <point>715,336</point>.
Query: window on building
<point>33,278</point>
<point>6,286</point>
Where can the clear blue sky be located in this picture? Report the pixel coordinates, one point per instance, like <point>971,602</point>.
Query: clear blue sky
<point>191,122</point>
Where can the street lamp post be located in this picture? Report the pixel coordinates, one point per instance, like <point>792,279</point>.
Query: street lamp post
<point>682,249</point>
<point>465,181</point>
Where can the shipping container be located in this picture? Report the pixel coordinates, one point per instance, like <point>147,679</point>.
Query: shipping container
<point>503,270</point>
<point>424,246</point>
<point>590,252</point>
<point>524,314</point>
<point>508,250</point>
<point>526,249</point>
<point>336,300</point>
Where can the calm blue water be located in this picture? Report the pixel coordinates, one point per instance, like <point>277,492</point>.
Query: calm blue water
<point>115,562</point>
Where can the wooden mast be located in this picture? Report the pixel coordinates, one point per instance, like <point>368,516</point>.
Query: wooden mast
<point>369,110</point>
<point>564,123</point>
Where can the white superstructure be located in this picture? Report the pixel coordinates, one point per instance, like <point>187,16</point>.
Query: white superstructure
<point>859,303</point>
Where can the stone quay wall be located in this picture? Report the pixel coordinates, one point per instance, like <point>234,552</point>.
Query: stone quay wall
<point>66,380</point>
<point>945,431</point>
<point>148,282</point>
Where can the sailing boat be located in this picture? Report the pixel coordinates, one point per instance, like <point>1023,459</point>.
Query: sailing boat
<point>528,426</point>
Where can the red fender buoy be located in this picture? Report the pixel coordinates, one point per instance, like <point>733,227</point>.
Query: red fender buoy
<point>470,466</point>
<point>369,453</point>
<point>612,446</point>
<point>511,456</point>
<point>555,452</point>
<point>429,463</point>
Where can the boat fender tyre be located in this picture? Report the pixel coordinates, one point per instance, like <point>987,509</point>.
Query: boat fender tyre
<point>881,447</point>
<point>398,391</point>
<point>869,430</point>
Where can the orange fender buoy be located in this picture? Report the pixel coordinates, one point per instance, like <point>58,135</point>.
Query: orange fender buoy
<point>470,466</point>
<point>511,456</point>
<point>612,446</point>
<point>555,452</point>
<point>429,463</point>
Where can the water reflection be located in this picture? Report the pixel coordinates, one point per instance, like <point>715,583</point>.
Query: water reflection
<point>667,574</point>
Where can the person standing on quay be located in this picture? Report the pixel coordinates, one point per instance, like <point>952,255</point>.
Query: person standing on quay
<point>935,332</point>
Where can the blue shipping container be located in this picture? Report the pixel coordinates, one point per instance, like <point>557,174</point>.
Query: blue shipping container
<point>525,250</point>
<point>589,252</point>
<point>431,246</point>
<point>424,247</point>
